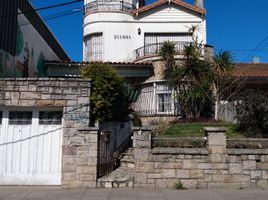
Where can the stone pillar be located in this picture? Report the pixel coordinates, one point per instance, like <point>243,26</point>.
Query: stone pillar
<point>216,139</point>
<point>142,137</point>
<point>80,155</point>
<point>142,143</point>
<point>216,144</point>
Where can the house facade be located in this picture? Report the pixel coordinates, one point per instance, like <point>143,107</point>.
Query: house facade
<point>131,32</point>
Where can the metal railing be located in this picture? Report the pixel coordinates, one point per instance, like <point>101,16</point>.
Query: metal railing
<point>151,50</point>
<point>109,6</point>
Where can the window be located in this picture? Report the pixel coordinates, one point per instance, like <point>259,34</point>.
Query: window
<point>154,38</point>
<point>94,47</point>
<point>1,116</point>
<point>20,118</point>
<point>164,102</point>
<point>153,41</point>
<point>50,117</point>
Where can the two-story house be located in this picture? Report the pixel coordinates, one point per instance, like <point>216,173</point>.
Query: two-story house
<point>129,32</point>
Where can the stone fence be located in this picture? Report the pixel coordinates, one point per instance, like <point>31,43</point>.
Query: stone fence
<point>212,167</point>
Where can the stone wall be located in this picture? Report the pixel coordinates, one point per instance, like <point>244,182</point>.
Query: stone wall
<point>211,167</point>
<point>79,158</point>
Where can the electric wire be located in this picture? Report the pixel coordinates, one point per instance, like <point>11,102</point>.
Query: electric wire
<point>54,16</point>
<point>43,8</point>
<point>255,51</point>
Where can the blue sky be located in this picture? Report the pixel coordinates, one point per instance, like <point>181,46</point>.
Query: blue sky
<point>235,25</point>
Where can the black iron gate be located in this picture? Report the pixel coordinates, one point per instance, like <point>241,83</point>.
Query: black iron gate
<point>106,160</point>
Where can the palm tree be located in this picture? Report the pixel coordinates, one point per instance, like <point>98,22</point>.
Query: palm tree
<point>167,52</point>
<point>188,77</point>
<point>222,67</point>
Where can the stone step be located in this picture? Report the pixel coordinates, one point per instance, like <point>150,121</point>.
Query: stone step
<point>120,178</point>
<point>127,163</point>
<point>127,154</point>
<point>127,157</point>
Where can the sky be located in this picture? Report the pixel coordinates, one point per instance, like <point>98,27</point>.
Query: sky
<point>239,26</point>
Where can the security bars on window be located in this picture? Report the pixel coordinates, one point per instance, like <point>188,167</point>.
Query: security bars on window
<point>20,118</point>
<point>50,117</point>
<point>94,47</point>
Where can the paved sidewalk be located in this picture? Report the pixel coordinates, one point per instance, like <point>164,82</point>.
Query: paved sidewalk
<point>38,193</point>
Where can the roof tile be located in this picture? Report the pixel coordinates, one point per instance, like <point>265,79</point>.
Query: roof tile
<point>178,2</point>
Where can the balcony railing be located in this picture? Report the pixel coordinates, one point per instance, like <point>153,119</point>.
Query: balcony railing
<point>152,50</point>
<point>108,6</point>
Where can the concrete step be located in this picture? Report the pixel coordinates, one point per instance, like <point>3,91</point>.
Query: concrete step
<point>120,178</point>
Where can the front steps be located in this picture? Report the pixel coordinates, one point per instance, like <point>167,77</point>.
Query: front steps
<point>123,176</point>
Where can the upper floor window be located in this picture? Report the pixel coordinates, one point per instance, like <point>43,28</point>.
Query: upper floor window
<point>158,38</point>
<point>94,47</point>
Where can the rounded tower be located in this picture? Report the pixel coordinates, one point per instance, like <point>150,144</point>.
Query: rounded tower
<point>107,29</point>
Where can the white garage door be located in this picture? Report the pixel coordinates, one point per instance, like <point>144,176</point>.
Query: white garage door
<point>30,147</point>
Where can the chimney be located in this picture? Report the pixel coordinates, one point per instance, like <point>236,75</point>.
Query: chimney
<point>199,3</point>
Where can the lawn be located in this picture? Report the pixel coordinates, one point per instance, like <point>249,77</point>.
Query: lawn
<point>196,129</point>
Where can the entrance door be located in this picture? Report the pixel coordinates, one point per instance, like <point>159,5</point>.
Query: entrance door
<point>30,147</point>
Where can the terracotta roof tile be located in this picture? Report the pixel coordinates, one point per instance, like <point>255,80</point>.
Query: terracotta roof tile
<point>256,70</point>
<point>178,2</point>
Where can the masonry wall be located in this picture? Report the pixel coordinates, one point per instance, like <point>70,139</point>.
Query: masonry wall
<point>79,150</point>
<point>211,167</point>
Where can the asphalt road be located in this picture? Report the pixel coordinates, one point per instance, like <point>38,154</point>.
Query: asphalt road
<point>42,193</point>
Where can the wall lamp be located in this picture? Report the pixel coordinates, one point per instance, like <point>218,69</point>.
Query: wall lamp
<point>139,31</point>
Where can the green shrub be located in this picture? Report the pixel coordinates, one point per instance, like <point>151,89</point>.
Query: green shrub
<point>179,186</point>
<point>252,115</point>
<point>110,95</point>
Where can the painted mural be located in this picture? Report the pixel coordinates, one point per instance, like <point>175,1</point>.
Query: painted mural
<point>26,63</point>
<point>31,52</point>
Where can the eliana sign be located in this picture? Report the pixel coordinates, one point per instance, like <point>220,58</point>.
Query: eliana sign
<point>122,37</point>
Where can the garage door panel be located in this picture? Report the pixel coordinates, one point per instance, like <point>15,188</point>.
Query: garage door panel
<point>32,179</point>
<point>49,153</point>
<point>32,151</point>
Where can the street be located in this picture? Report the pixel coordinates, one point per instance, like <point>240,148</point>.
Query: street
<point>55,193</point>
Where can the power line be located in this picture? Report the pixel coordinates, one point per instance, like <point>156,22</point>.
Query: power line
<point>54,16</point>
<point>256,49</point>
<point>43,8</point>
<point>243,50</point>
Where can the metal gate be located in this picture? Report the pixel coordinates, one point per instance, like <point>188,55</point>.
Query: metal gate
<point>107,162</point>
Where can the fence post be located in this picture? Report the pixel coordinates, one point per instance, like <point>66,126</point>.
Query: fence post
<point>142,137</point>
<point>216,139</point>
<point>80,159</point>
<point>142,143</point>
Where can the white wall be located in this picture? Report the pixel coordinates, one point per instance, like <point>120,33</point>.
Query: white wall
<point>163,19</point>
<point>29,44</point>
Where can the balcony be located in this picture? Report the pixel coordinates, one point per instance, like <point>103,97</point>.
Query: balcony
<point>120,6</point>
<point>152,50</point>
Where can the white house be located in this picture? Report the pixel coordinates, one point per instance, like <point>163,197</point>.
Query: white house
<point>129,32</point>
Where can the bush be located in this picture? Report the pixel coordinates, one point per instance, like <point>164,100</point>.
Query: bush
<point>110,95</point>
<point>252,115</point>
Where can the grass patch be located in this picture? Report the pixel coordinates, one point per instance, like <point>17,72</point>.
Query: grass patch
<point>196,129</point>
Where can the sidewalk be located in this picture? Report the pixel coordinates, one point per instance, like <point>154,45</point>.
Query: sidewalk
<point>46,193</point>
